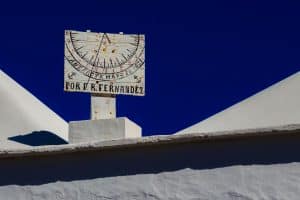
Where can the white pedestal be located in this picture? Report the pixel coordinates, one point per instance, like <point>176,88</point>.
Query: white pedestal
<point>103,106</point>
<point>103,129</point>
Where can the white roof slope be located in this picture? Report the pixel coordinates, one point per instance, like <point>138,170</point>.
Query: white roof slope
<point>277,105</point>
<point>22,113</point>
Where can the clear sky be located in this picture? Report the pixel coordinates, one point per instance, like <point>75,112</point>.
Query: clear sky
<point>200,57</point>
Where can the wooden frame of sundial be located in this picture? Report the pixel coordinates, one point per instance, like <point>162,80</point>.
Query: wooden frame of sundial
<point>104,64</point>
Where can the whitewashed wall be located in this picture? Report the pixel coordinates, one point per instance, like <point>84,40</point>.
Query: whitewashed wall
<point>251,168</point>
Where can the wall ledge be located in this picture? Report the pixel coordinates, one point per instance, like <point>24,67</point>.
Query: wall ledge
<point>291,129</point>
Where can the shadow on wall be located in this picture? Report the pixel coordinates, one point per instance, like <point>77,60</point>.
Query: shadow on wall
<point>38,138</point>
<point>86,165</point>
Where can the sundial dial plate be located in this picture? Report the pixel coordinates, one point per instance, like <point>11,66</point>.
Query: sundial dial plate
<point>104,63</point>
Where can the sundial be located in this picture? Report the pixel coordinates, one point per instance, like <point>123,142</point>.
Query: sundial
<point>104,64</point>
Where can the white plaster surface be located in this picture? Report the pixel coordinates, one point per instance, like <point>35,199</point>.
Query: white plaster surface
<point>254,182</point>
<point>206,177</point>
<point>103,129</point>
<point>22,113</point>
<point>103,106</point>
<point>277,105</point>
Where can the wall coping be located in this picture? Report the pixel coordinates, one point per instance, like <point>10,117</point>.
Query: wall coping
<point>149,141</point>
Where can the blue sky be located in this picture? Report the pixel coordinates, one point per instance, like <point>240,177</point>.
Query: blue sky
<point>200,57</point>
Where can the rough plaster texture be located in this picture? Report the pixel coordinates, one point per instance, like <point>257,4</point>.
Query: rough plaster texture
<point>246,166</point>
<point>103,129</point>
<point>275,106</point>
<point>21,113</point>
<point>229,183</point>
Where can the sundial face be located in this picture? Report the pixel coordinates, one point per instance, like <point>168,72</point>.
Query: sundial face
<point>104,63</point>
